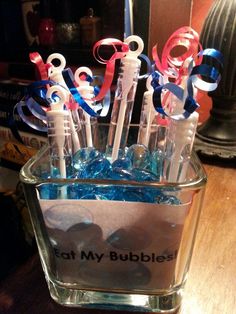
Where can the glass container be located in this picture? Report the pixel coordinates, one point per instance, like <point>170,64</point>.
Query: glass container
<point>98,251</point>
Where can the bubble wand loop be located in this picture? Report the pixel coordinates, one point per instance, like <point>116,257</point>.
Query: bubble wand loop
<point>55,72</point>
<point>124,98</point>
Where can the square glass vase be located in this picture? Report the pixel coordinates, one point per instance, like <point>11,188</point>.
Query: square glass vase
<point>106,253</point>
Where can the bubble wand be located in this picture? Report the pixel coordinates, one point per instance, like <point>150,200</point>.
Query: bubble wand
<point>148,118</point>
<point>179,146</point>
<point>87,92</point>
<point>124,98</point>
<point>182,127</point>
<point>55,74</point>
<point>59,133</point>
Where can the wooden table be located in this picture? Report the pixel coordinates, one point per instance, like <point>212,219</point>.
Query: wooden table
<point>211,285</point>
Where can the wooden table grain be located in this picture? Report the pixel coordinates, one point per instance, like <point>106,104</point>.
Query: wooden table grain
<point>211,284</point>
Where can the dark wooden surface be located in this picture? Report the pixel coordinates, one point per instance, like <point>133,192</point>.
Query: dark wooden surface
<point>211,283</point>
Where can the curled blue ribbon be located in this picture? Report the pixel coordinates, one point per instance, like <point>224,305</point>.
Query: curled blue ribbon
<point>205,70</point>
<point>39,126</point>
<point>194,80</point>
<point>33,101</point>
<point>37,90</point>
<point>149,66</point>
<point>35,109</point>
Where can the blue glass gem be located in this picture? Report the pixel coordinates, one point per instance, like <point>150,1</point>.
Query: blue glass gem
<point>55,172</point>
<point>86,236</point>
<point>58,238</point>
<point>133,195</point>
<point>107,192</point>
<point>98,167</point>
<point>76,191</point>
<point>85,233</point>
<point>139,156</point>
<point>167,199</point>
<point>93,196</point>
<point>143,175</point>
<point>123,163</point>
<point>157,159</point>
<point>129,238</point>
<point>120,174</point>
<point>84,155</point>
<point>48,191</point>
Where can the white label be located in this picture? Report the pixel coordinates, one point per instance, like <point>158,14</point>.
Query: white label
<point>114,244</point>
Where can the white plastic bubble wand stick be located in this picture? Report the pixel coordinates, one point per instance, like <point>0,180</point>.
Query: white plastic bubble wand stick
<point>179,146</point>
<point>59,133</point>
<point>87,92</point>
<point>124,98</point>
<point>177,104</point>
<point>148,114</point>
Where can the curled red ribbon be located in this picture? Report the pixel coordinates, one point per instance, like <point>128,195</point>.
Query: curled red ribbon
<point>173,67</point>
<point>110,63</point>
<point>42,67</point>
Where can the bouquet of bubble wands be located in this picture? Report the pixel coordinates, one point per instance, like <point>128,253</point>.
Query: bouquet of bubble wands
<point>69,105</point>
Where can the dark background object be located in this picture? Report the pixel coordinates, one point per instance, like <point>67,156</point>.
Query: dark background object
<point>47,25</point>
<point>217,136</point>
<point>11,25</point>
<point>13,245</point>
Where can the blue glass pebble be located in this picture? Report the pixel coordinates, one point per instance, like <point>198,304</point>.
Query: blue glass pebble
<point>117,191</point>
<point>138,165</point>
<point>133,195</point>
<point>55,173</point>
<point>48,191</point>
<point>139,156</point>
<point>157,158</point>
<point>58,238</point>
<point>98,167</point>
<point>143,175</point>
<point>44,174</point>
<point>120,174</point>
<point>130,238</point>
<point>86,236</point>
<point>93,196</point>
<point>84,155</point>
<point>167,199</point>
<point>123,163</point>
<point>107,192</point>
<point>85,232</point>
<point>76,191</point>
